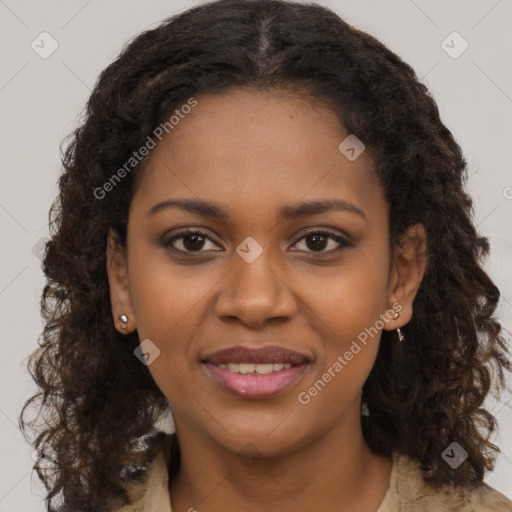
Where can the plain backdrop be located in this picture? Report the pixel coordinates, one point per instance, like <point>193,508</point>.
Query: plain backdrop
<point>41,98</point>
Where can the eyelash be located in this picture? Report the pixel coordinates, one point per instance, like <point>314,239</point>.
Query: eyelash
<point>344,243</point>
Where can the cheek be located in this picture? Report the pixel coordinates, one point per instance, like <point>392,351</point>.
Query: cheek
<point>350,297</point>
<point>167,302</point>
<point>166,296</point>
<point>350,303</point>
<point>348,353</point>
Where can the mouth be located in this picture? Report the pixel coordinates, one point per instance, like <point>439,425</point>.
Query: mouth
<point>256,373</point>
<point>255,369</point>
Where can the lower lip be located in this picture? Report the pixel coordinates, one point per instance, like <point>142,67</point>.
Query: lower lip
<point>256,386</point>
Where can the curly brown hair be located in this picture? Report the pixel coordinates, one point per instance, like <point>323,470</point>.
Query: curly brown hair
<point>99,400</point>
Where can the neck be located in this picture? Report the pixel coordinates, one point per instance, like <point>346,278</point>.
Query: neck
<point>335,472</point>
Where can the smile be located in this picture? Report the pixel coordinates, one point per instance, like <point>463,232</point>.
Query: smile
<point>255,381</point>
<point>258,369</point>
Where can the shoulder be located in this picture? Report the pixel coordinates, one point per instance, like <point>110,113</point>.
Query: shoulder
<point>408,491</point>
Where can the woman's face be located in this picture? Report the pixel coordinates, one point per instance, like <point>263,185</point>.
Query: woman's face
<point>258,276</point>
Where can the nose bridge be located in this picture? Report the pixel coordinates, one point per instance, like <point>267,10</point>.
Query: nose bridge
<point>254,291</point>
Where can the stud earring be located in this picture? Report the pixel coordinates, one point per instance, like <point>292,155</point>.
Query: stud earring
<point>124,320</point>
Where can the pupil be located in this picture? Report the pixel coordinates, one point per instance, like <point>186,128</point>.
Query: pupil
<point>196,238</point>
<point>319,242</point>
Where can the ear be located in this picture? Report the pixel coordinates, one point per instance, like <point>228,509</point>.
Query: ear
<point>407,270</point>
<point>117,270</point>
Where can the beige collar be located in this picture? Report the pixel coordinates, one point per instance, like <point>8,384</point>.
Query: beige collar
<point>407,492</point>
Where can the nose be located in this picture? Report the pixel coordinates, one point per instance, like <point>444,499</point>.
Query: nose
<point>254,294</point>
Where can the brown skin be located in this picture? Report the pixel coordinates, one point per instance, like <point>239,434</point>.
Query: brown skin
<point>253,153</point>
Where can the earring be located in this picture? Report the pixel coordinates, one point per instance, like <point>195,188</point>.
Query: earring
<point>124,320</point>
<point>399,332</point>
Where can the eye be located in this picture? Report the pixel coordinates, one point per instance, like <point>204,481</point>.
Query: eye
<point>318,240</point>
<point>191,241</point>
<point>188,241</point>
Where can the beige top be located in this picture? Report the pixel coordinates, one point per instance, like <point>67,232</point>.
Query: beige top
<point>407,492</point>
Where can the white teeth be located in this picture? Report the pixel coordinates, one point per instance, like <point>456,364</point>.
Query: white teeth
<point>260,369</point>
<point>246,368</point>
<point>264,369</point>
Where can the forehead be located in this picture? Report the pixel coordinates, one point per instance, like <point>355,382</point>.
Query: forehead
<point>262,146</point>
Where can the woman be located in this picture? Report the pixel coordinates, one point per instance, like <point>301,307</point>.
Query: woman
<point>262,223</point>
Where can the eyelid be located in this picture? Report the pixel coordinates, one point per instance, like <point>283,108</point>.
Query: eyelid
<point>343,240</point>
<point>167,240</point>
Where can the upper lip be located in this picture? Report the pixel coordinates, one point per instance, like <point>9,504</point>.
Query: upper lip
<point>270,354</point>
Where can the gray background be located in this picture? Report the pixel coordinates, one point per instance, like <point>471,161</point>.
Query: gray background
<point>40,100</point>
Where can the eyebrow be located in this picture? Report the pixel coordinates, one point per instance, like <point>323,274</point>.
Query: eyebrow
<point>216,212</point>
